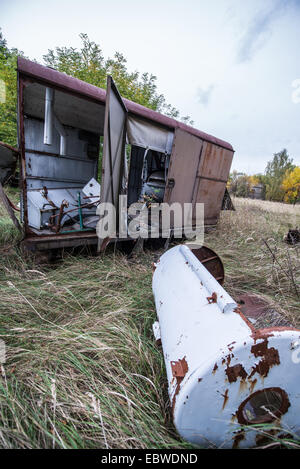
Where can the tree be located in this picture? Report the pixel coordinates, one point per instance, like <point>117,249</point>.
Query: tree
<point>88,64</point>
<point>274,175</point>
<point>291,185</point>
<point>239,184</point>
<point>8,90</point>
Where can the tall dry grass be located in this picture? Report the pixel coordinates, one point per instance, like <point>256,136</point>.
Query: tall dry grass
<point>82,370</point>
<point>251,244</point>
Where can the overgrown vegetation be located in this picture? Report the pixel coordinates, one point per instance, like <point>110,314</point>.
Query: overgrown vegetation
<point>82,369</point>
<point>8,92</point>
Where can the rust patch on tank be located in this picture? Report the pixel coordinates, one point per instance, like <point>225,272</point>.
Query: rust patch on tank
<point>227,359</point>
<point>215,368</point>
<point>258,334</point>
<point>260,349</point>
<point>252,385</point>
<point>243,385</point>
<point>179,370</point>
<point>212,298</point>
<point>225,399</point>
<point>269,332</point>
<point>231,346</point>
<point>235,372</point>
<point>270,357</point>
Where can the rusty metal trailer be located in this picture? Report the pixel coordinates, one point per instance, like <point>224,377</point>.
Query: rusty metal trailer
<point>62,124</point>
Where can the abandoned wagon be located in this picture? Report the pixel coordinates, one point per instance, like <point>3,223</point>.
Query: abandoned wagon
<point>65,123</point>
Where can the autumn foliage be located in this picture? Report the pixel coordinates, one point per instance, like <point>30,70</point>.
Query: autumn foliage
<point>291,185</point>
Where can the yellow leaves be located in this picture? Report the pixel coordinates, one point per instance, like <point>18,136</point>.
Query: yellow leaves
<point>254,181</point>
<point>291,185</point>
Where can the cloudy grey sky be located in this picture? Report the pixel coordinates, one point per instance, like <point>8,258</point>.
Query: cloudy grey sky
<point>232,65</point>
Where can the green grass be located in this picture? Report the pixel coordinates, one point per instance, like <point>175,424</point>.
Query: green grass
<point>82,370</point>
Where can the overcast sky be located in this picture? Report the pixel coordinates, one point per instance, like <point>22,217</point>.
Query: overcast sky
<point>232,65</point>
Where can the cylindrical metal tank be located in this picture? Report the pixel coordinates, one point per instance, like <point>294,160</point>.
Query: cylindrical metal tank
<point>223,374</point>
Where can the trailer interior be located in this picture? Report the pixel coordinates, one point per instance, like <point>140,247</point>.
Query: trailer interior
<point>62,142</point>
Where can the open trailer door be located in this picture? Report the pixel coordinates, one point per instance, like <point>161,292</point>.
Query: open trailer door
<point>113,151</point>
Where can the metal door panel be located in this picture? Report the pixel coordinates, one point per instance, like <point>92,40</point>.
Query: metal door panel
<point>184,163</point>
<point>113,144</point>
<point>212,177</point>
<point>113,155</point>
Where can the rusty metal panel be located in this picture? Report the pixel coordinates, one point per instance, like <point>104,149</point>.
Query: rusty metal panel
<point>212,177</point>
<point>53,241</point>
<point>216,162</point>
<point>184,162</point>
<point>211,193</point>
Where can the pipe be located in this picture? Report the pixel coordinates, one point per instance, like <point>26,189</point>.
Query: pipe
<point>63,136</point>
<point>222,372</point>
<point>52,120</point>
<point>49,116</point>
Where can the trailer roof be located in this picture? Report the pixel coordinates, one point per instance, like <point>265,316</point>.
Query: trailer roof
<point>71,84</point>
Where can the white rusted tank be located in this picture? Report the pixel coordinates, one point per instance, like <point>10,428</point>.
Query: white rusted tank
<point>223,374</point>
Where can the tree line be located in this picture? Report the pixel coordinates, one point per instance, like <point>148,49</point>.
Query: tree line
<point>280,181</point>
